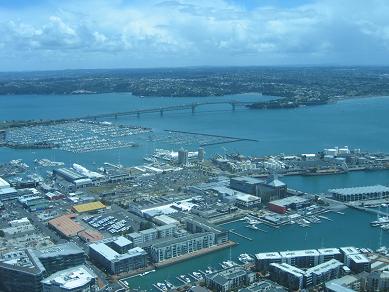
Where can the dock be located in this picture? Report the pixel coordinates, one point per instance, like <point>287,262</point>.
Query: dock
<point>240,235</point>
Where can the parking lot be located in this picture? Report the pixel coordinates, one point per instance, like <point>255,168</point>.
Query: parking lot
<point>113,223</point>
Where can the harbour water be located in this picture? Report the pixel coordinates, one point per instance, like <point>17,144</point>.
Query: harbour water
<point>358,123</point>
<point>361,123</point>
<point>352,228</point>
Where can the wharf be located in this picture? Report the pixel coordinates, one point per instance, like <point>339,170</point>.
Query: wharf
<point>212,135</point>
<point>195,254</point>
<point>240,235</point>
<point>369,210</point>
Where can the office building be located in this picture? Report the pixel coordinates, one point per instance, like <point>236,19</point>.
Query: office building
<point>176,247</point>
<point>21,271</point>
<point>76,279</point>
<point>115,255</point>
<point>183,157</point>
<point>201,154</point>
<point>268,190</point>
<point>6,191</point>
<point>60,257</point>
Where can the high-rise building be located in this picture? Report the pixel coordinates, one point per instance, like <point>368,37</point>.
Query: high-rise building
<point>21,271</point>
<point>183,157</point>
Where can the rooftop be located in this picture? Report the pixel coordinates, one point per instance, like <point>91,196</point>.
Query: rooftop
<point>92,206</point>
<point>58,250</point>
<point>289,200</point>
<point>360,190</point>
<point>65,225</point>
<point>72,278</point>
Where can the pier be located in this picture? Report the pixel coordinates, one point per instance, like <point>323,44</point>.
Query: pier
<point>370,210</point>
<point>240,235</point>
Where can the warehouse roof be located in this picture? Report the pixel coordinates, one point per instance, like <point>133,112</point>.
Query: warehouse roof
<point>88,207</point>
<point>65,225</point>
<point>360,190</point>
<point>3,184</point>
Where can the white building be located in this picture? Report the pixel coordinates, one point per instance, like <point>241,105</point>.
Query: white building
<point>77,279</point>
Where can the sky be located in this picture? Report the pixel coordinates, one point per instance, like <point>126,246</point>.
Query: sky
<point>76,34</point>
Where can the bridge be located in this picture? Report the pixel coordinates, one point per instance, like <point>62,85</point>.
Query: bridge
<point>162,110</point>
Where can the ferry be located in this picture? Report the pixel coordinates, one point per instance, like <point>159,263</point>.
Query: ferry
<point>228,264</point>
<point>245,258</point>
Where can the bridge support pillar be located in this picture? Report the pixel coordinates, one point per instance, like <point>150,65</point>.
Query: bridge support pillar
<point>116,117</point>
<point>233,106</point>
<point>138,114</point>
<point>193,108</point>
<point>161,112</point>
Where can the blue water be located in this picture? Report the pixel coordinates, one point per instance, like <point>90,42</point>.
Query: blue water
<point>361,123</point>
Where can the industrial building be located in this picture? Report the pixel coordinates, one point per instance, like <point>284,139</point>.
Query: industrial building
<point>247,201</point>
<point>79,278</point>
<point>179,246</point>
<point>60,257</point>
<point>116,255</point>
<point>6,191</point>
<point>267,190</point>
<point>292,202</point>
<point>229,279</point>
<point>360,193</point>
<point>88,207</point>
<point>76,179</point>
<point>66,226</point>
<point>17,228</point>
<point>21,271</point>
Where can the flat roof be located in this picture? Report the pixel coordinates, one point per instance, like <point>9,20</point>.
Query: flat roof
<point>110,254</point>
<point>324,267</point>
<point>268,256</point>
<point>290,269</point>
<point>66,225</point>
<point>288,201</point>
<point>4,183</point>
<point>348,250</point>
<point>329,251</point>
<point>122,241</point>
<point>67,248</point>
<point>359,258</point>
<point>247,198</point>
<point>248,179</point>
<point>72,278</point>
<point>92,206</point>
<point>360,190</point>
<point>299,253</point>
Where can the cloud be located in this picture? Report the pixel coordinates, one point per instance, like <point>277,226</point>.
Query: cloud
<point>192,32</point>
